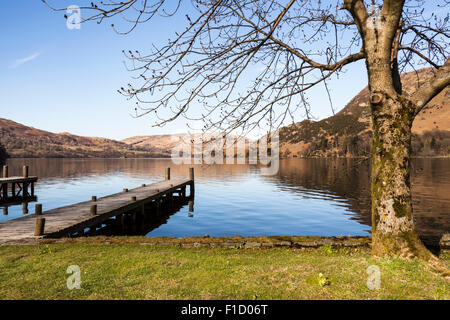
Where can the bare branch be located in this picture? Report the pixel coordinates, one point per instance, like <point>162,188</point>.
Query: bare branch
<point>432,87</point>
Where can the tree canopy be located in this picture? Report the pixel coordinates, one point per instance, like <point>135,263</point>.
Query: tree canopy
<point>276,49</point>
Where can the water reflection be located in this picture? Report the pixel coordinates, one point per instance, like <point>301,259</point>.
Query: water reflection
<point>349,179</point>
<point>306,197</point>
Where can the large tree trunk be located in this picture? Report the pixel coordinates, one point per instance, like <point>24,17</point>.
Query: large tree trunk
<point>393,231</point>
<point>392,214</point>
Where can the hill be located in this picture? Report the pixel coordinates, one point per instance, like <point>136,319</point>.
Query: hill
<point>346,134</point>
<point>349,132</point>
<point>22,141</point>
<point>160,144</point>
<point>164,144</point>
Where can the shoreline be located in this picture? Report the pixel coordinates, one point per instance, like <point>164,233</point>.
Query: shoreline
<point>237,242</point>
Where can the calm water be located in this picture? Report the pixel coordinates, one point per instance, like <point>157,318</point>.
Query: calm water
<point>306,197</point>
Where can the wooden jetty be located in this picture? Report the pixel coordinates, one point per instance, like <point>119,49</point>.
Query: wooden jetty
<point>86,217</point>
<point>17,189</point>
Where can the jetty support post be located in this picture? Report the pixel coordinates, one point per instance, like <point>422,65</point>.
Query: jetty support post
<point>123,221</point>
<point>5,171</point>
<point>25,207</point>
<point>167,173</point>
<point>25,189</point>
<point>5,185</point>
<point>38,209</point>
<point>25,171</point>
<point>40,226</point>
<point>93,210</point>
<point>25,185</point>
<point>143,214</point>
<point>192,184</point>
<point>158,206</point>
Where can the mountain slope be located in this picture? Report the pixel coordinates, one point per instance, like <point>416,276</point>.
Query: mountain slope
<point>161,144</point>
<point>24,141</point>
<point>349,132</point>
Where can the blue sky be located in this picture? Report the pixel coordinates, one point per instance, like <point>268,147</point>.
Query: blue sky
<point>62,80</point>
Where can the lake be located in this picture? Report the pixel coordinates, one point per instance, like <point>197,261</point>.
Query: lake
<point>326,197</point>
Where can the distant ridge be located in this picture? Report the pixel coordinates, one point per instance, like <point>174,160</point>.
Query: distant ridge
<point>349,132</point>
<point>346,134</point>
<point>21,141</point>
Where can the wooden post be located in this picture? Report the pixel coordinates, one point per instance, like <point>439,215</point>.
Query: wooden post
<point>13,189</point>
<point>38,209</point>
<point>167,173</point>
<point>191,206</point>
<point>191,185</point>
<point>94,198</point>
<point>143,213</point>
<point>158,206</point>
<point>40,226</point>
<point>122,221</point>
<point>5,171</point>
<point>25,207</point>
<point>5,211</point>
<point>93,210</point>
<point>25,171</point>
<point>142,218</point>
<point>32,189</point>
<point>171,203</point>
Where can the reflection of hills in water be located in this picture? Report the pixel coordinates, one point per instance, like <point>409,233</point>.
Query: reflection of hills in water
<point>345,181</point>
<point>72,168</point>
<point>349,180</point>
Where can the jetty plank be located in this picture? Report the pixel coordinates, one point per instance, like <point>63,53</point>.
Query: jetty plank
<point>76,217</point>
<point>18,180</point>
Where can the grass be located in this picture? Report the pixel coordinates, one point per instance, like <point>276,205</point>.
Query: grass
<point>134,271</point>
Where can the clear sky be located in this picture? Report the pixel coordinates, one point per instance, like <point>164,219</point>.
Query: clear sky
<point>63,80</point>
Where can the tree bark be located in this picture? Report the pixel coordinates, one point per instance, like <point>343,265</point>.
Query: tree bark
<point>393,231</point>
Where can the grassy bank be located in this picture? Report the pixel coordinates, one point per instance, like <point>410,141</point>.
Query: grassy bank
<point>135,271</point>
